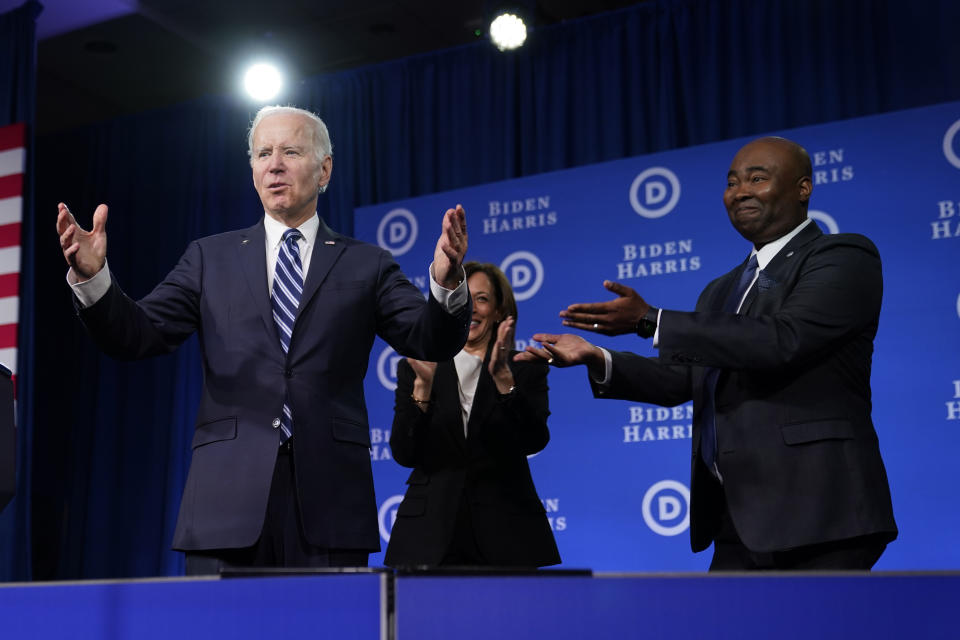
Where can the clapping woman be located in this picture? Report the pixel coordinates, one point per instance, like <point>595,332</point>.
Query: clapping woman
<point>466,427</point>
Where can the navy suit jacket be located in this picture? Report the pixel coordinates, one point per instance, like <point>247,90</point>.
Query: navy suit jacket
<point>485,472</point>
<point>796,444</point>
<point>353,292</point>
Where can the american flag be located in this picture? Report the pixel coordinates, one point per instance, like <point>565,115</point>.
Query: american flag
<point>12,161</point>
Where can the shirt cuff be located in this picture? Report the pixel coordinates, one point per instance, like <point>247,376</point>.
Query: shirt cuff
<point>90,291</point>
<point>607,369</point>
<point>451,300</point>
<point>656,332</point>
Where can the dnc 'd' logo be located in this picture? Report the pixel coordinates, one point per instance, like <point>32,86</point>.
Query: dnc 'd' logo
<point>397,231</point>
<point>950,144</point>
<point>525,272</point>
<point>666,508</point>
<point>387,368</point>
<point>655,192</point>
<point>827,222</point>
<point>387,515</point>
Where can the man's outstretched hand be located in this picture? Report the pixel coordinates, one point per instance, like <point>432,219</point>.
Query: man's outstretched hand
<point>562,350</point>
<point>613,317</point>
<point>84,251</point>
<point>451,248</point>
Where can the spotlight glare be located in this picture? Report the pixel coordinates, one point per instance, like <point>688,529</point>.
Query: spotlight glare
<point>262,81</point>
<point>507,31</point>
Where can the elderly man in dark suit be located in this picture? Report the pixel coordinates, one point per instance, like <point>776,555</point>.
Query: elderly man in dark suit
<point>786,469</point>
<point>286,311</point>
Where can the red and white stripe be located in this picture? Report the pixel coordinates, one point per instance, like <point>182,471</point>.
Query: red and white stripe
<point>12,161</point>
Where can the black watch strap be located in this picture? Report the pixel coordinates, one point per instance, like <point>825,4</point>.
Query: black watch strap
<point>647,326</point>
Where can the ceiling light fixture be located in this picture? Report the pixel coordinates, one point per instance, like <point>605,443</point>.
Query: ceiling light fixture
<point>262,81</point>
<point>508,31</point>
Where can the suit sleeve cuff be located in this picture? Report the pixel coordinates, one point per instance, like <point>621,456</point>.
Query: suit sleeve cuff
<point>607,369</point>
<point>90,291</point>
<point>451,300</point>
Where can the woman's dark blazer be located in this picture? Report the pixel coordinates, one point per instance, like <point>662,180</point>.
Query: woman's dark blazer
<point>488,469</point>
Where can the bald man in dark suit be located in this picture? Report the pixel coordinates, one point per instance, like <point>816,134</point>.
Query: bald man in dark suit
<point>786,468</point>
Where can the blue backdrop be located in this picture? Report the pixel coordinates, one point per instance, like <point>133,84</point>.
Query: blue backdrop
<point>615,477</point>
<point>111,440</point>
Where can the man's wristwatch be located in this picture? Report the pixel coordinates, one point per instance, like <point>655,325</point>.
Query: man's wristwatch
<point>647,325</point>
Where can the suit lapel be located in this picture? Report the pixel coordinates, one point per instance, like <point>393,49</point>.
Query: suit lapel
<point>326,250</point>
<point>784,258</point>
<point>483,400</point>
<point>252,257</point>
<point>446,386</point>
<point>724,287</point>
<point>780,266</point>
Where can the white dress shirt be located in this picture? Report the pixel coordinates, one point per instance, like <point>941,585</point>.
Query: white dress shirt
<point>468,374</point>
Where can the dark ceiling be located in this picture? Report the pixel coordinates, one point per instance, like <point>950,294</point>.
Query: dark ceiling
<point>159,52</point>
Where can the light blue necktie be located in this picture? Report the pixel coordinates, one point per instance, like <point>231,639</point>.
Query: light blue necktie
<point>708,423</point>
<point>287,289</point>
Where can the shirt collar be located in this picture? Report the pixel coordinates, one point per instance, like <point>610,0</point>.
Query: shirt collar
<point>463,358</point>
<point>274,230</point>
<point>770,250</point>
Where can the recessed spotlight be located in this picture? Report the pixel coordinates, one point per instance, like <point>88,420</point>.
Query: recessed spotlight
<point>262,81</point>
<point>508,31</point>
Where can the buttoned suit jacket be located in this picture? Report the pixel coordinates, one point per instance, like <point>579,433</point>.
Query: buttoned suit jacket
<point>797,448</point>
<point>353,292</point>
<point>487,469</point>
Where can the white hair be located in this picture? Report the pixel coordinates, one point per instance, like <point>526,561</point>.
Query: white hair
<point>322,147</point>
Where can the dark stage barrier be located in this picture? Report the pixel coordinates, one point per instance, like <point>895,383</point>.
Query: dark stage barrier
<point>785,606</point>
<point>343,606</point>
<point>559,607</point>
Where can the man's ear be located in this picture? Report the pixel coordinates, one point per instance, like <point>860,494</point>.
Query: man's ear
<point>806,187</point>
<point>326,170</point>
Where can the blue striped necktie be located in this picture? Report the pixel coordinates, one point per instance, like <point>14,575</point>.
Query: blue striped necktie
<point>287,289</point>
<point>708,423</point>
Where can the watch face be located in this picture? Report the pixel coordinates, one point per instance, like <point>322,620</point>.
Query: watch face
<point>647,326</point>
